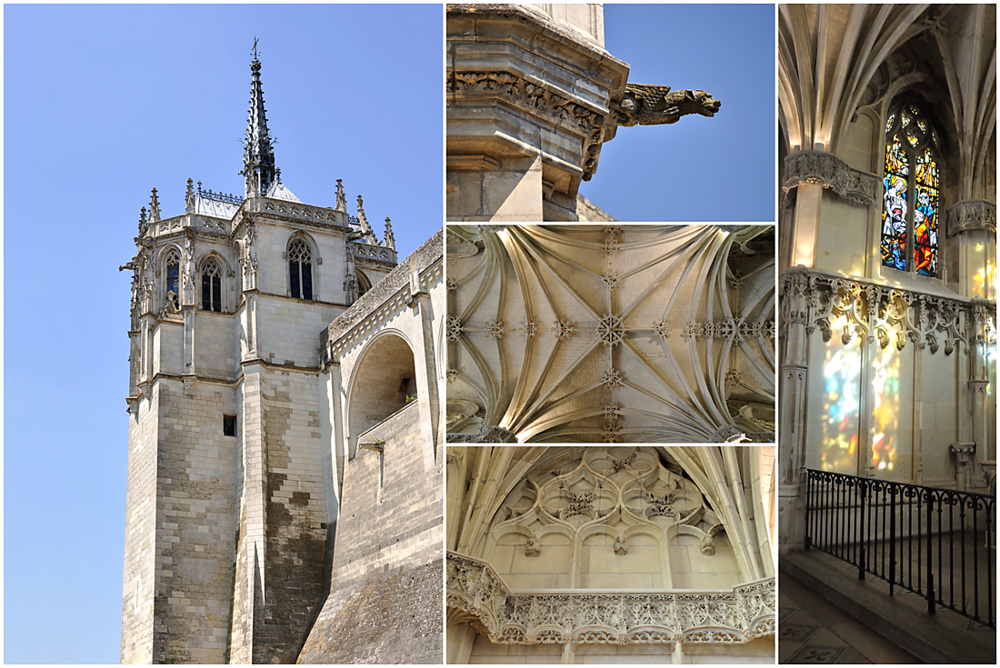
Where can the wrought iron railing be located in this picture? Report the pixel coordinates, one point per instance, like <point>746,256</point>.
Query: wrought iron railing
<point>226,198</point>
<point>937,543</point>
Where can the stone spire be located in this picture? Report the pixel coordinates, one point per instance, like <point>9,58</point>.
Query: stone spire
<point>258,153</point>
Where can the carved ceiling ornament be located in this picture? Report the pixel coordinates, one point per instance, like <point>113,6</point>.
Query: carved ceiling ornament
<point>616,491</point>
<point>856,309</point>
<point>827,170</point>
<point>590,338</point>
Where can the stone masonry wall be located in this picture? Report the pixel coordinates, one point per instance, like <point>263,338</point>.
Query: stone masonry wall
<point>140,514</point>
<point>295,562</point>
<point>195,523</point>
<point>385,599</point>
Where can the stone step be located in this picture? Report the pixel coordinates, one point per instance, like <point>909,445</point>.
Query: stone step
<point>902,619</point>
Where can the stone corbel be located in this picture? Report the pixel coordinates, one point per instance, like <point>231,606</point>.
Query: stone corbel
<point>827,170</point>
<point>964,456</point>
<point>974,214</point>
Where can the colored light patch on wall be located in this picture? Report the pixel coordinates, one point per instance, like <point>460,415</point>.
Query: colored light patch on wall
<point>841,407</point>
<point>885,414</point>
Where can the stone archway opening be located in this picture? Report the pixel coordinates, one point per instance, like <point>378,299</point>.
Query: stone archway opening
<point>384,383</point>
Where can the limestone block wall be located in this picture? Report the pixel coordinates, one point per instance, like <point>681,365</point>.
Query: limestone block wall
<point>385,592</point>
<point>289,328</point>
<point>295,529</point>
<point>215,355</point>
<point>168,347</point>
<point>140,518</point>
<point>195,523</point>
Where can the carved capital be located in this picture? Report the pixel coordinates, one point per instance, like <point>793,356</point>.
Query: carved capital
<point>827,170</point>
<point>973,214</point>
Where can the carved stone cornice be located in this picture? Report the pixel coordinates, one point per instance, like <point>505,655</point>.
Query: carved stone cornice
<point>873,311</point>
<point>827,170</point>
<point>973,214</point>
<point>562,111</point>
<point>601,617</point>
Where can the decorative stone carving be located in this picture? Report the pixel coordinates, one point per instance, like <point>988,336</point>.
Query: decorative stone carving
<point>528,329</point>
<point>494,329</point>
<point>736,617</point>
<point>485,435</point>
<point>533,96</point>
<point>612,432</point>
<point>611,330</point>
<point>455,328</point>
<point>974,214</point>
<point>644,104</point>
<point>829,171</point>
<point>531,548</point>
<point>872,311</point>
<point>563,329</point>
<point>621,546</point>
<point>613,378</point>
<point>611,279</point>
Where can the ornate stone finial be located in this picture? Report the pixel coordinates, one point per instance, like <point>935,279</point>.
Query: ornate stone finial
<point>142,221</point>
<point>367,234</point>
<point>154,208</point>
<point>189,197</point>
<point>390,240</point>
<point>258,151</point>
<point>656,105</point>
<point>341,198</point>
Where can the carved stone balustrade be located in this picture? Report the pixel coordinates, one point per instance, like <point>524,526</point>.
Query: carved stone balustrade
<point>864,309</point>
<point>478,595</point>
<point>368,252</point>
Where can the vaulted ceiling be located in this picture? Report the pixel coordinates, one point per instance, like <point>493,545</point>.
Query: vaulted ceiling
<point>632,333</point>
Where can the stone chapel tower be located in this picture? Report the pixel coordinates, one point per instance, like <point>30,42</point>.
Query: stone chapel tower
<point>231,506</point>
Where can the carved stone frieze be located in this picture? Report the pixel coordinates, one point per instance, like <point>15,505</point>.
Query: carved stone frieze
<point>531,95</point>
<point>586,617</point>
<point>829,171</point>
<point>976,214</point>
<point>860,308</point>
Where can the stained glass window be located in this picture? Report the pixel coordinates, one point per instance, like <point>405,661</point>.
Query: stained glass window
<point>910,197</point>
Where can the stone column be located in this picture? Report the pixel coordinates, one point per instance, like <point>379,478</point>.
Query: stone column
<point>794,384</point>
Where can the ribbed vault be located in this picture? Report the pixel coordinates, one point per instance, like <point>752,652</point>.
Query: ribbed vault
<point>616,334</point>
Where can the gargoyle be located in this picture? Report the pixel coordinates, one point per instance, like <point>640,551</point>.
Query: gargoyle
<point>657,105</point>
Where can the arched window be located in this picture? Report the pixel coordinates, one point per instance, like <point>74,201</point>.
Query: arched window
<point>300,269</point>
<point>211,287</point>
<point>173,269</point>
<point>912,184</point>
<point>364,285</point>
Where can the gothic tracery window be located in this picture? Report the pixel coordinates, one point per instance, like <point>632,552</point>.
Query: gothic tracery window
<point>910,202</point>
<point>300,270</point>
<point>211,287</point>
<point>173,270</point>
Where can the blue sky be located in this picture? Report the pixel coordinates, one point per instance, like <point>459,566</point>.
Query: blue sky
<point>698,169</point>
<point>101,104</point>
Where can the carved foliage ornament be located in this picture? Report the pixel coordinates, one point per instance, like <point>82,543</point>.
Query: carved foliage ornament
<point>866,310</point>
<point>533,96</point>
<point>736,617</point>
<point>827,170</point>
<point>972,215</point>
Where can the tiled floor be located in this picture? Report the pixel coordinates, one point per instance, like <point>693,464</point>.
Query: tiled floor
<point>813,630</point>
